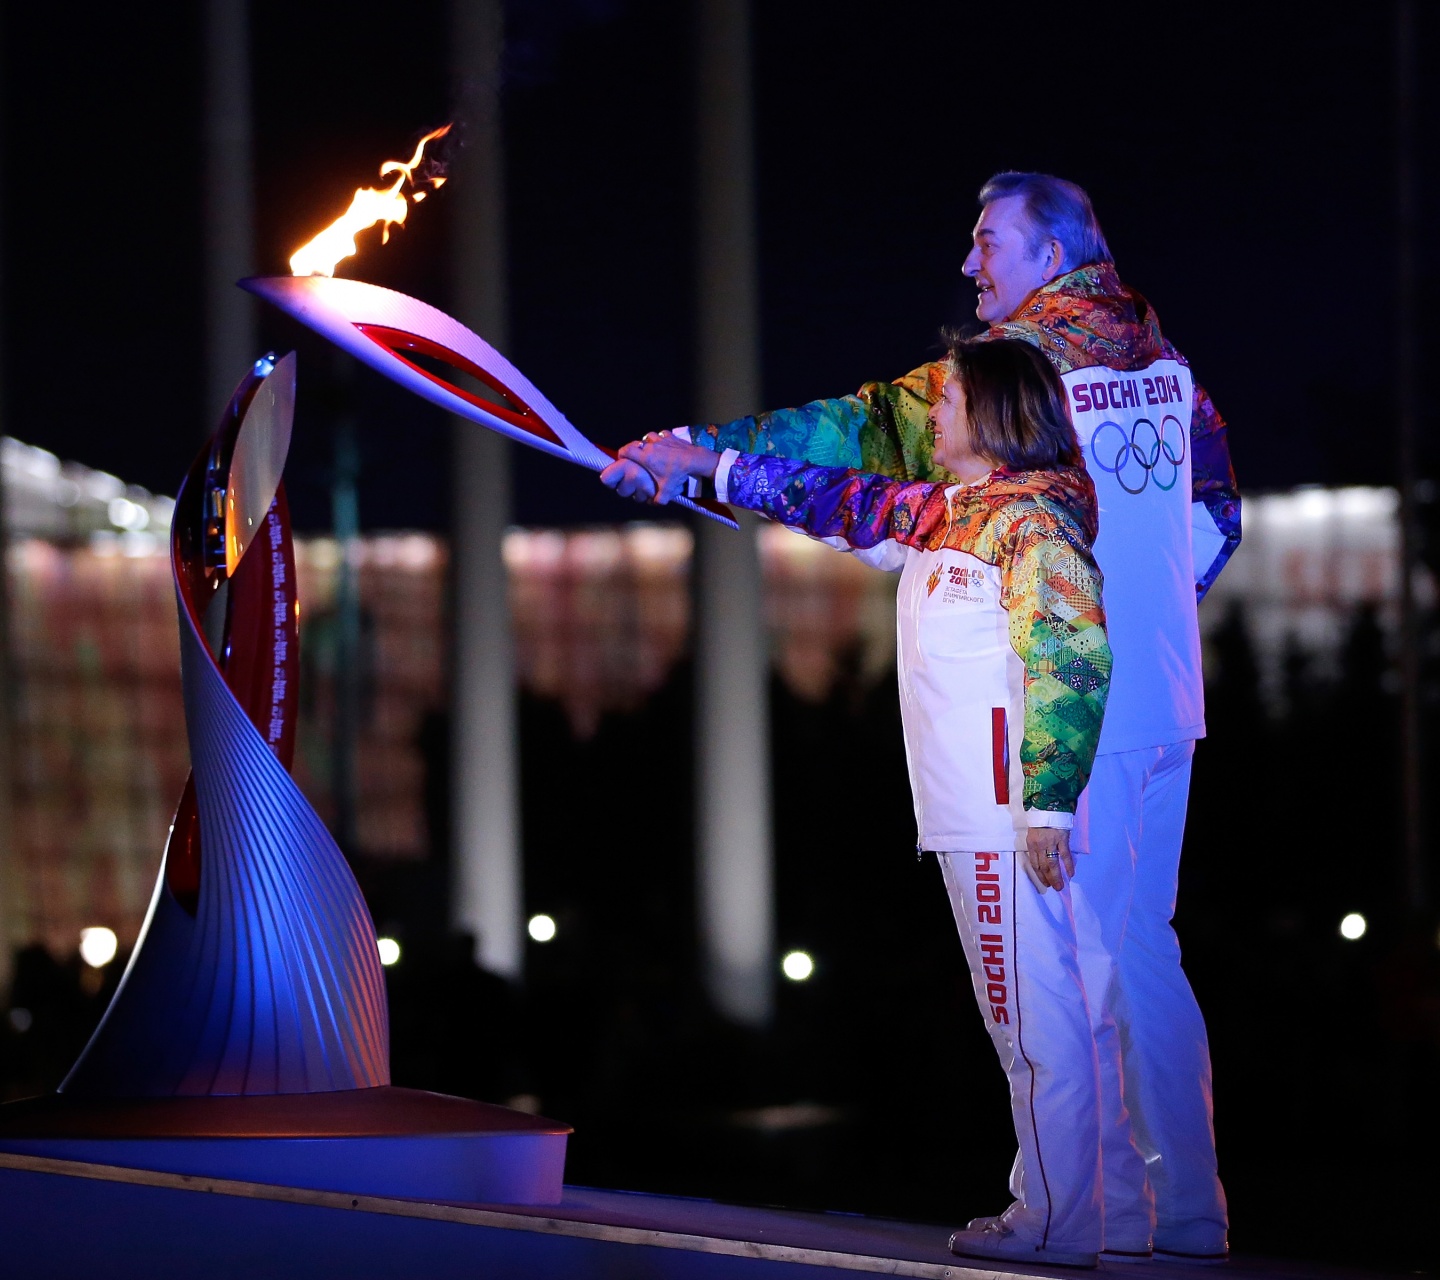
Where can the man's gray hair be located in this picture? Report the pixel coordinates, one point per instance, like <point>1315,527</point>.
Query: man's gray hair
<point>1055,210</point>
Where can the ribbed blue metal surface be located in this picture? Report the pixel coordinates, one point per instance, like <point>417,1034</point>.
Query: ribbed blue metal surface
<point>272,983</point>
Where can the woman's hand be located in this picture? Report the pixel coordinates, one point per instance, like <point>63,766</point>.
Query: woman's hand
<point>1047,857</point>
<point>629,480</point>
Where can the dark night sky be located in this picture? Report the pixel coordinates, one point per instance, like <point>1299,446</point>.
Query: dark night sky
<point>1240,157</point>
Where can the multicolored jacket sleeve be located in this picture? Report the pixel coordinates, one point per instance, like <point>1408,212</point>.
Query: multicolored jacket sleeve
<point>1213,485</point>
<point>838,502</point>
<point>1051,589</point>
<point>1057,625</point>
<point>883,429</point>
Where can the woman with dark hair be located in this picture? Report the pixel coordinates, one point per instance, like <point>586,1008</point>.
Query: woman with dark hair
<point>1004,668</point>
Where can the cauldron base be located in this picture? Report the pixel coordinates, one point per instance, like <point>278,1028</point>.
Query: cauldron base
<point>384,1141</point>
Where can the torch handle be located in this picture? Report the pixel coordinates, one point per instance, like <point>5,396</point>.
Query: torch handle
<point>711,509</point>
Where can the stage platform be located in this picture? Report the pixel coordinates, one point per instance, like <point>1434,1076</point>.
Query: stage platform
<point>63,1218</point>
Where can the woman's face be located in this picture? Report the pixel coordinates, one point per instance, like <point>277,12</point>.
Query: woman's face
<point>951,425</point>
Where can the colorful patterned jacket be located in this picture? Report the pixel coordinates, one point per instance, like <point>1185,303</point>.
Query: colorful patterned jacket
<point>1082,319</point>
<point>1036,527</point>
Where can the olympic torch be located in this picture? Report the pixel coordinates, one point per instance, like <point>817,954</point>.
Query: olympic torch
<point>406,339</point>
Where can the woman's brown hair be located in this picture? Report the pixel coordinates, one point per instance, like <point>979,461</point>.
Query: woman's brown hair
<point>1015,403</point>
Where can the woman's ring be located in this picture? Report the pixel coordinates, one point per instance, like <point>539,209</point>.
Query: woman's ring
<point>1052,854</point>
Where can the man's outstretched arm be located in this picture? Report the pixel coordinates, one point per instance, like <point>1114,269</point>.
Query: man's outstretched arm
<point>882,429</point>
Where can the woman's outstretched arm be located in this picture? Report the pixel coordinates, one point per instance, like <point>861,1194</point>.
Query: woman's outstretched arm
<point>827,502</point>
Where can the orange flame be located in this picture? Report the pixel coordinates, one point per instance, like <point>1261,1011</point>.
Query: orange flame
<point>368,206</point>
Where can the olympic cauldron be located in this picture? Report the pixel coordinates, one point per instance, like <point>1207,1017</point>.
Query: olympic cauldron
<point>249,1036</point>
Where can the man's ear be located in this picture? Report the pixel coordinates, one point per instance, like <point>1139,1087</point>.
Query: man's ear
<point>1052,260</point>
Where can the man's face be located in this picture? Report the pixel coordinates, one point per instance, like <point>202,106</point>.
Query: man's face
<point>1002,270</point>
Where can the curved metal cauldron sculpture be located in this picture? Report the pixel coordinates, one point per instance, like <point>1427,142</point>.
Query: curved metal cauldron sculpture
<point>256,971</point>
<point>249,1037</point>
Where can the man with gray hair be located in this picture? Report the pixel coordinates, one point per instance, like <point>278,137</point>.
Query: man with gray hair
<point>1169,520</point>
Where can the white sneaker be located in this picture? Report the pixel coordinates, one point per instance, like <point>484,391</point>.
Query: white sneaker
<point>997,1241</point>
<point>1140,1253</point>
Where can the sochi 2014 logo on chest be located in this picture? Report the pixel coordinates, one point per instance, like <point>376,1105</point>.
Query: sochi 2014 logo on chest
<point>963,584</point>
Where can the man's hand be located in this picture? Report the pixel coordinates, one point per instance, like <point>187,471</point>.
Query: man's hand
<point>629,480</point>
<point>1047,857</point>
<point>670,462</point>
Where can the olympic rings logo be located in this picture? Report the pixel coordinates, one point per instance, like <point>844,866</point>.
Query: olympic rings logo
<point>1147,453</point>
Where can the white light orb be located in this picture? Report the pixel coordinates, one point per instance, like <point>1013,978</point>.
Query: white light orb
<point>542,928</point>
<point>127,514</point>
<point>98,946</point>
<point>389,950</point>
<point>1353,926</point>
<point>797,965</point>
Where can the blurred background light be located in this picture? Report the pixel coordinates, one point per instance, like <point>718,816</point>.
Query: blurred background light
<point>389,950</point>
<point>98,946</point>
<point>542,928</point>
<point>127,514</point>
<point>797,965</point>
<point>1353,926</point>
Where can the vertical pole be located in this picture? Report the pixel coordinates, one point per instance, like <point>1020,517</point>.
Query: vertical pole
<point>1413,843</point>
<point>734,841</point>
<point>229,203</point>
<point>11,930</point>
<point>487,889</point>
<point>345,519</point>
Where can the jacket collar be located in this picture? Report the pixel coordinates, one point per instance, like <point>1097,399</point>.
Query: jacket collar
<point>1066,488</point>
<point>1088,317</point>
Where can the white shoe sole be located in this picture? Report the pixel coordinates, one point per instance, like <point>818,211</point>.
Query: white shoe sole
<point>1192,1259</point>
<point>1010,1248</point>
<point>1126,1257</point>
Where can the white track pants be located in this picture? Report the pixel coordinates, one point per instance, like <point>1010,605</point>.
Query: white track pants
<point>1157,1132</point>
<point>1025,965</point>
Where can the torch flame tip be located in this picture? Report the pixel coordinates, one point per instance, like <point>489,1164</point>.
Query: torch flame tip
<point>369,206</point>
